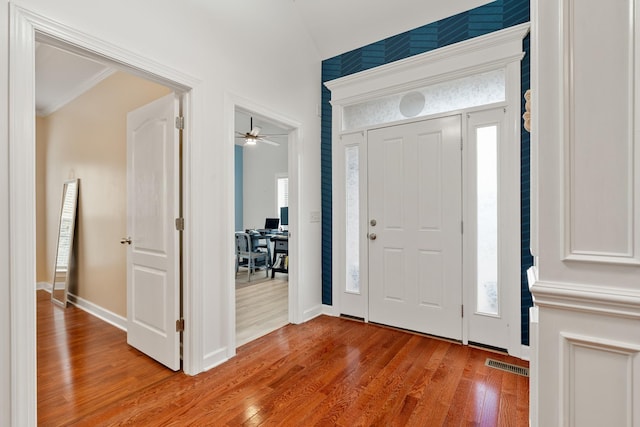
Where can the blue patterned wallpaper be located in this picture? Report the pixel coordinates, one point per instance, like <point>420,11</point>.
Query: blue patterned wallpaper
<point>482,20</point>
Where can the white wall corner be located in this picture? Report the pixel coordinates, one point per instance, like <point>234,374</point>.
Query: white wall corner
<point>312,313</point>
<point>215,358</point>
<point>330,310</point>
<point>525,352</point>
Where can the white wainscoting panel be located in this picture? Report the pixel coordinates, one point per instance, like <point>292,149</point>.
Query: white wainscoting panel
<point>599,132</point>
<point>585,138</point>
<point>598,381</point>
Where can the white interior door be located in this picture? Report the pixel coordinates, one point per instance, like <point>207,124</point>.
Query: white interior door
<point>153,294</point>
<point>415,215</point>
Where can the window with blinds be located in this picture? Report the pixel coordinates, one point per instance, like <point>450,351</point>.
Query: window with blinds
<point>282,190</point>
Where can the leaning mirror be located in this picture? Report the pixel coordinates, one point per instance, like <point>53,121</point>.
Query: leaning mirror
<point>64,248</point>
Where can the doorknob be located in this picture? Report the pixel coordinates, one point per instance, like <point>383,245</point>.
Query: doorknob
<point>372,236</point>
<point>125,240</point>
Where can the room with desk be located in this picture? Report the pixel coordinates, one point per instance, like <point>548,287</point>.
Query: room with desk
<point>261,236</point>
<point>270,241</point>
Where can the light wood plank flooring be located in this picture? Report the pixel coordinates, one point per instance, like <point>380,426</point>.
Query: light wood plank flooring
<point>262,305</point>
<point>326,372</point>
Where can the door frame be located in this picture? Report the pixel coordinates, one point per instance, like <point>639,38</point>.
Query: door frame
<point>501,49</point>
<point>25,29</point>
<point>233,102</point>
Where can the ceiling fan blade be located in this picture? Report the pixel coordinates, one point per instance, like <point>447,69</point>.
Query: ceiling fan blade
<point>266,141</point>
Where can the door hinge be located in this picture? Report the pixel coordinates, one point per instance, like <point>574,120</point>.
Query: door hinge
<point>180,122</point>
<point>180,325</point>
<point>180,224</point>
<point>462,227</point>
<point>461,142</point>
<point>462,310</point>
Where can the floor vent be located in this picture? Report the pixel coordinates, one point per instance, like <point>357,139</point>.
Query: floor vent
<point>508,367</point>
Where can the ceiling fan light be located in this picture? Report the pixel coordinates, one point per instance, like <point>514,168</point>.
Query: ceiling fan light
<point>250,140</point>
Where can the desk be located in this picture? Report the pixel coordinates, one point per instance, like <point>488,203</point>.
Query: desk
<point>280,254</point>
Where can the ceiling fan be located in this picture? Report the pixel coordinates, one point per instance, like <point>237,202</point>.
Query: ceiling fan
<point>254,136</point>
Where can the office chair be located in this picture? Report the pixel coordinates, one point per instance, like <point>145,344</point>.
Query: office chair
<point>247,256</point>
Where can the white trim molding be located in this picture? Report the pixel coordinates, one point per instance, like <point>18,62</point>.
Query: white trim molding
<point>607,300</point>
<point>101,313</point>
<point>461,59</point>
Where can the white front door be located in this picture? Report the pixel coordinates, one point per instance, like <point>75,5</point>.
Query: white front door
<point>153,293</point>
<point>415,214</point>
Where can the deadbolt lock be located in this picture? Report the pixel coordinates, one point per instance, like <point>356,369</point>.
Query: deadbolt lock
<point>373,222</point>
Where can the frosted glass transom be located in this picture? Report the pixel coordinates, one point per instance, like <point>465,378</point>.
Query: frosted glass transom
<point>466,92</point>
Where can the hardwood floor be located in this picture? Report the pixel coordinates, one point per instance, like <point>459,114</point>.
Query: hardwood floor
<point>326,372</point>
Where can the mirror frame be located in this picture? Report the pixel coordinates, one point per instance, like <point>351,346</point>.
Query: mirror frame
<point>69,195</point>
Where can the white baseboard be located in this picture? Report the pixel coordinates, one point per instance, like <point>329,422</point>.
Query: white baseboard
<point>215,358</point>
<point>99,312</point>
<point>312,313</point>
<point>525,353</point>
<point>91,308</point>
<point>330,310</point>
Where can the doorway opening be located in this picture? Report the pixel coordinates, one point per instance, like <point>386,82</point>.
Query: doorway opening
<point>287,240</point>
<point>81,133</point>
<point>261,149</point>
<point>29,29</point>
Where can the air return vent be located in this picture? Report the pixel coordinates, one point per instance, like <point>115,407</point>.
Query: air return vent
<point>508,367</point>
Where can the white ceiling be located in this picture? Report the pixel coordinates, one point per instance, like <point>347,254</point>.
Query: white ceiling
<point>336,26</point>
<point>62,76</point>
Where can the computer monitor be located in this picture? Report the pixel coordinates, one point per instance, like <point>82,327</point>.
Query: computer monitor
<point>271,223</point>
<point>284,216</point>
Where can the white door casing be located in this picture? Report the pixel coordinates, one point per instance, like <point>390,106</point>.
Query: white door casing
<point>153,294</point>
<point>415,246</point>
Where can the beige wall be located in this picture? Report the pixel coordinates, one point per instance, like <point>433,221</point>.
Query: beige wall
<point>86,139</point>
<point>42,271</point>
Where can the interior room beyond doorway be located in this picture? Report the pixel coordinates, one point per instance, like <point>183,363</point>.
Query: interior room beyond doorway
<point>261,225</point>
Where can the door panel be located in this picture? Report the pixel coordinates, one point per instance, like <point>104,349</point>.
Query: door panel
<point>485,280</point>
<point>153,252</point>
<point>414,196</point>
